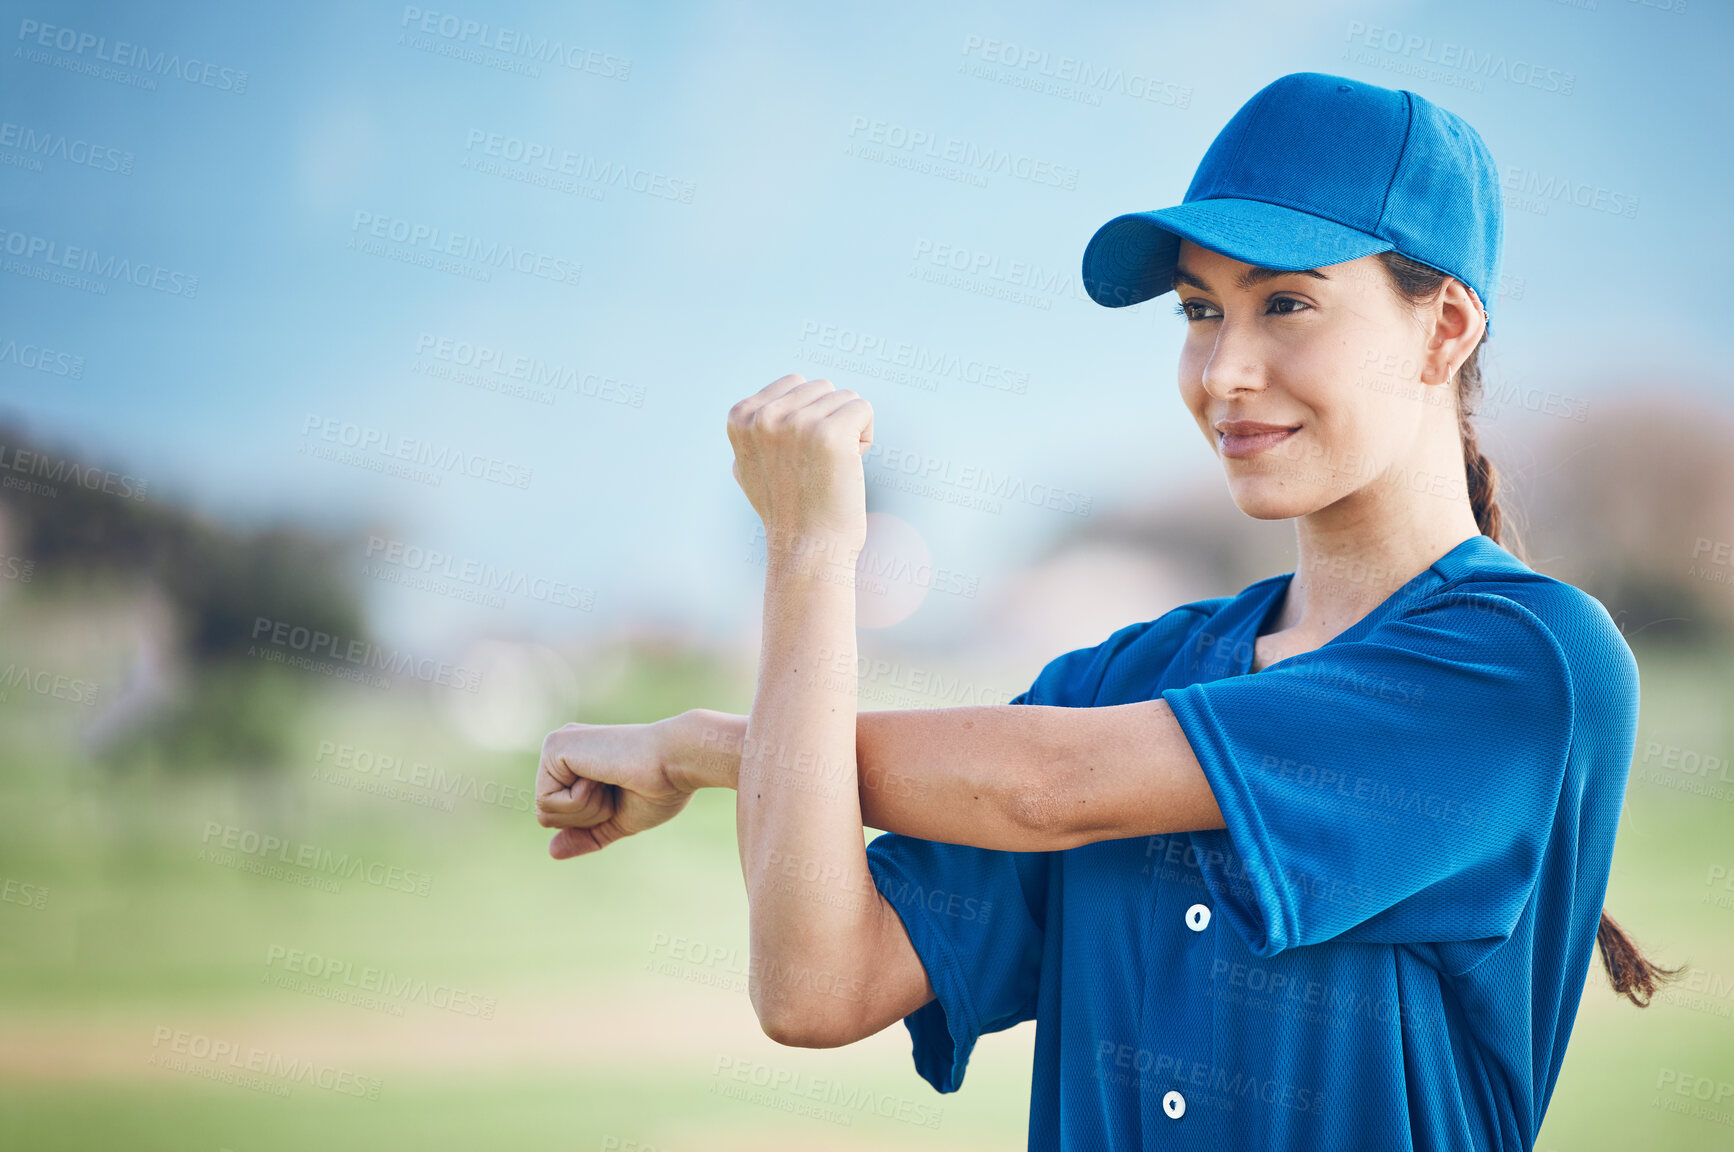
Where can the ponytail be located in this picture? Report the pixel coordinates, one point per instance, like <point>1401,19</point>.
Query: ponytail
<point>1632,974</point>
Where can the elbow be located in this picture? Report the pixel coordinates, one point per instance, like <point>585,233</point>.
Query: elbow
<point>1030,811</point>
<point>795,1019</point>
<point>1036,811</point>
<point>798,1026</point>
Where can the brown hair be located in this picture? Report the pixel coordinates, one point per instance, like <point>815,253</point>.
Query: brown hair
<point>1631,972</point>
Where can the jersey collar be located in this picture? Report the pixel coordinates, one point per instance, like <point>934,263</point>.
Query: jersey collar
<point>1240,622</point>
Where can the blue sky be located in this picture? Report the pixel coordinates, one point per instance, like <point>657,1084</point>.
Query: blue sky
<point>398,217</point>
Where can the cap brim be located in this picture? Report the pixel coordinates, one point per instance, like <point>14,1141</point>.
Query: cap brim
<point>1132,258</point>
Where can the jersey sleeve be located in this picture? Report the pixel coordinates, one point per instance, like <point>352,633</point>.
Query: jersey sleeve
<point>977,916</point>
<point>1395,788</point>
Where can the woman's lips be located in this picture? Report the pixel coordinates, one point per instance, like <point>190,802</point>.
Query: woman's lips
<point>1239,446</point>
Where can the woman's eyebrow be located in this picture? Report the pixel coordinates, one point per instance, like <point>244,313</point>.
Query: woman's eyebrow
<point>1253,275</point>
<point>1182,276</point>
<point>1259,275</point>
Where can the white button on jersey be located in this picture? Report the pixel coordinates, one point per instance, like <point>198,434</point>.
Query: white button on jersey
<point>1175,1105</point>
<point>1197,918</point>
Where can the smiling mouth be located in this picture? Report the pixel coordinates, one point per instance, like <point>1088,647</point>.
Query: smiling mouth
<point>1239,447</point>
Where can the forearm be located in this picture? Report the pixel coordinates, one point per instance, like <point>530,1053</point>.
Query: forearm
<point>948,774</point>
<point>798,816</point>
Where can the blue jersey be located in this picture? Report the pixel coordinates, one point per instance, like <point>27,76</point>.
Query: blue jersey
<point>1384,948</point>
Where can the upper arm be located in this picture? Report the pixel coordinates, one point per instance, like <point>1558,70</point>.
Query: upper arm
<point>899,985</point>
<point>885,982</point>
<point>1115,772</point>
<point>1111,770</point>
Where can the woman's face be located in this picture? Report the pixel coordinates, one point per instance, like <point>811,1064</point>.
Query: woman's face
<point>1323,368</point>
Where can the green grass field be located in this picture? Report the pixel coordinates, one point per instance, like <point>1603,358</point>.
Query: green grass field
<point>590,1004</point>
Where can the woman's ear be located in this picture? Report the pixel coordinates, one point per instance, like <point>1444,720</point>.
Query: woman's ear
<point>1458,325</point>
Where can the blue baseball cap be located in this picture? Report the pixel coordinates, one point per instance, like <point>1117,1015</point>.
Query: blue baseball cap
<point>1315,170</point>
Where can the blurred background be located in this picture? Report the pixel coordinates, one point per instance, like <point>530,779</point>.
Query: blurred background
<point>363,375</point>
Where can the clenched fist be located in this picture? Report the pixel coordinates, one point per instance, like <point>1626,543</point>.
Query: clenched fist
<point>798,447</point>
<point>600,782</point>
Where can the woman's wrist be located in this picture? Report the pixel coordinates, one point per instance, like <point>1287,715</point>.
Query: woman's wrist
<point>701,748</point>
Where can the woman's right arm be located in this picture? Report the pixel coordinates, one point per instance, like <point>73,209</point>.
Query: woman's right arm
<point>832,961</point>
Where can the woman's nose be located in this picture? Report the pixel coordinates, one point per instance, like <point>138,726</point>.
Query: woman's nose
<point>1236,362</point>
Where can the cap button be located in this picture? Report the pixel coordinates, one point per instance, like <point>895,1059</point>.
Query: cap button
<point>1342,87</point>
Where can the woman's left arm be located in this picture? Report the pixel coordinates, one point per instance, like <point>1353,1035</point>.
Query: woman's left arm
<point>1013,777</point>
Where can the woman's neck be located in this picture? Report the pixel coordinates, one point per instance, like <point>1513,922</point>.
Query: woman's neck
<point>1351,563</point>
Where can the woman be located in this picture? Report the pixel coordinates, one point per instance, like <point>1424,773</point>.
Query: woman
<point>1319,865</point>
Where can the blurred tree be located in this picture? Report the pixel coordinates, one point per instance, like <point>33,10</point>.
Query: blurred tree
<point>230,710</point>
<point>1634,505</point>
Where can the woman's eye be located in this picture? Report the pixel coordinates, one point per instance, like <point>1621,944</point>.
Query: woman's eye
<point>1195,310</point>
<point>1287,305</point>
